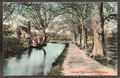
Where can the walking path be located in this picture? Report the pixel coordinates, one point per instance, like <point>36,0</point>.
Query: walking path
<point>77,63</point>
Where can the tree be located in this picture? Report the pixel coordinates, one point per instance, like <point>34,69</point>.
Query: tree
<point>41,14</point>
<point>8,9</point>
<point>74,25</point>
<point>82,12</point>
<point>97,27</point>
<point>6,30</point>
<point>100,12</point>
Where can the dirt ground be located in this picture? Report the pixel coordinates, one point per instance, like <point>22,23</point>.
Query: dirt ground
<point>77,63</point>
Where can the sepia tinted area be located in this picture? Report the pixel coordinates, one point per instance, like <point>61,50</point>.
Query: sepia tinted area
<point>60,38</point>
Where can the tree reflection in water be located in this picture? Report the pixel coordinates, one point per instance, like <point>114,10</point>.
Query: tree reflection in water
<point>41,48</point>
<point>33,61</point>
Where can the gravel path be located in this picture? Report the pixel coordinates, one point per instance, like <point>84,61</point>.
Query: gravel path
<point>77,63</point>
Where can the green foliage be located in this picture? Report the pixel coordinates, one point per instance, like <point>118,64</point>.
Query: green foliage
<point>6,30</point>
<point>110,60</point>
<point>109,8</point>
<point>54,71</point>
<point>110,49</point>
<point>25,43</point>
<point>8,10</point>
<point>42,15</point>
<point>12,46</point>
<point>60,37</point>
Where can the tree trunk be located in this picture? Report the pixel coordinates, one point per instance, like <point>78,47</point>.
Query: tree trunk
<point>80,40</point>
<point>102,20</point>
<point>75,38</point>
<point>29,32</point>
<point>97,30</point>
<point>44,36</point>
<point>84,34</point>
<point>84,29</point>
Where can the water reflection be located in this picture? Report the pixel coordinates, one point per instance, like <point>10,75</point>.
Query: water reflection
<point>33,61</point>
<point>29,51</point>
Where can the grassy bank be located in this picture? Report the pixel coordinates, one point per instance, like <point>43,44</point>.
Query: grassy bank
<point>13,46</point>
<point>110,49</point>
<point>57,65</point>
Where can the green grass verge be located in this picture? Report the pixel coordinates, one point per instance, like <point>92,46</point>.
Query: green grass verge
<point>57,65</point>
<point>111,56</point>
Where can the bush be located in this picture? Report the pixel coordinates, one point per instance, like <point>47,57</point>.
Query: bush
<point>11,46</point>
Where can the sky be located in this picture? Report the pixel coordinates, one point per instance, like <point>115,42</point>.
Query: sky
<point>115,5</point>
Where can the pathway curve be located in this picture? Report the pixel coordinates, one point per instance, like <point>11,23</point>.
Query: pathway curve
<point>77,63</point>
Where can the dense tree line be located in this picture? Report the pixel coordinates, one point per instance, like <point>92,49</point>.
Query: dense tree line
<point>83,19</point>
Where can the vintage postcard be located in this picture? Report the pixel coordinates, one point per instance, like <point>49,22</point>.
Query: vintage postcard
<point>60,38</point>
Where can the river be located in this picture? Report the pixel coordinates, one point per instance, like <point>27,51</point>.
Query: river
<point>33,62</point>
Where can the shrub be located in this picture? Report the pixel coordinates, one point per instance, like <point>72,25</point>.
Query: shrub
<point>11,46</point>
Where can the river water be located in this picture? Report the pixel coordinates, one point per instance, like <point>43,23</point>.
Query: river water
<point>33,62</point>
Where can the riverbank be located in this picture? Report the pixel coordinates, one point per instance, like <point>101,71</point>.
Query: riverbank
<point>34,61</point>
<point>57,65</point>
<point>14,46</point>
